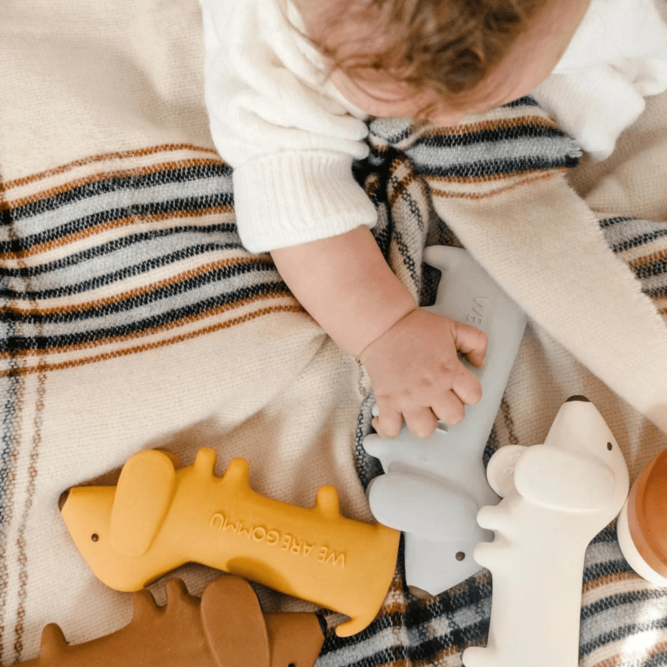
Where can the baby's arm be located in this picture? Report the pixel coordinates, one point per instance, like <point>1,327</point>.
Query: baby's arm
<point>291,139</point>
<point>411,357</point>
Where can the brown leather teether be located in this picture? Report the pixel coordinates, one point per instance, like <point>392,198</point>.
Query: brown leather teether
<point>226,628</point>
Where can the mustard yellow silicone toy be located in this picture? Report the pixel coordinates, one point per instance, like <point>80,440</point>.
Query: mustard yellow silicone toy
<point>160,517</point>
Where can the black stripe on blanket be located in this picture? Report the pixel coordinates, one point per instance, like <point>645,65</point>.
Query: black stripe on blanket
<point>68,227</point>
<point>642,244</point>
<point>168,179</point>
<point>163,320</point>
<point>521,141</point>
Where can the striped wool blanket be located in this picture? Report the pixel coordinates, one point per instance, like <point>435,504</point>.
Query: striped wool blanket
<point>133,318</point>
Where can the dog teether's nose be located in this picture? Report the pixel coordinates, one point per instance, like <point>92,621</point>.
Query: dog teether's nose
<point>583,399</point>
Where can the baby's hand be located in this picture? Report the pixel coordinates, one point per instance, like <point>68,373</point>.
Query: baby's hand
<point>417,375</point>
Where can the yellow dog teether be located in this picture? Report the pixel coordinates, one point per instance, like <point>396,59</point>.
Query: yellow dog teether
<point>160,517</point>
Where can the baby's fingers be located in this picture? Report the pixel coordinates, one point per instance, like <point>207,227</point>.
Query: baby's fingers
<point>472,342</point>
<point>389,422</point>
<point>466,386</point>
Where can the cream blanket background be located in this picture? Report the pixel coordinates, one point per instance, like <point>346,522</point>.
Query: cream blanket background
<point>98,92</point>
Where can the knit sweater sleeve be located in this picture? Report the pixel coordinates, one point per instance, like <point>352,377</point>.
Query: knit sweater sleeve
<point>279,122</point>
<point>616,59</point>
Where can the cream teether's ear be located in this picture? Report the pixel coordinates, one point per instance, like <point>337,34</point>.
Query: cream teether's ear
<point>500,471</point>
<point>560,479</point>
<point>143,496</point>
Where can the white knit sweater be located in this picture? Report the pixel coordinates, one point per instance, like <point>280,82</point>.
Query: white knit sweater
<point>617,57</point>
<point>291,136</point>
<point>282,125</point>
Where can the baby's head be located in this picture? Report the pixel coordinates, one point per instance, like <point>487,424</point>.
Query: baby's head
<point>439,59</point>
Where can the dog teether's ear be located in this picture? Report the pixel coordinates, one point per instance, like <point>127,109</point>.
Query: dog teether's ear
<point>563,480</point>
<point>234,624</point>
<point>143,496</point>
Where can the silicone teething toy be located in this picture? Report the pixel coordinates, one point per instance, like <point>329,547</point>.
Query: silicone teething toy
<point>642,524</point>
<point>556,498</point>
<point>158,518</point>
<point>225,629</point>
<point>434,487</point>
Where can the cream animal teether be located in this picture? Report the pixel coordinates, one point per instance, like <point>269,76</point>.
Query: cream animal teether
<point>160,517</point>
<point>434,487</point>
<point>556,498</point>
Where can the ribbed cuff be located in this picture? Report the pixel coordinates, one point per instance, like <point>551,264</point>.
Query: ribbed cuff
<point>289,198</point>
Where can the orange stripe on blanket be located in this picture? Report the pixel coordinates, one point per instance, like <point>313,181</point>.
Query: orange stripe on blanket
<point>433,659</point>
<point>486,195</point>
<point>601,582</point>
<point>645,260</point>
<point>107,175</point>
<point>621,658</point>
<point>174,324</point>
<point>116,155</point>
<point>129,294</point>
<point>116,224</point>
<point>45,366</point>
<point>498,124</point>
<point>489,178</point>
<point>403,176</point>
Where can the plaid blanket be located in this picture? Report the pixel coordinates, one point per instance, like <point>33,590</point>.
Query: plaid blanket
<point>133,318</point>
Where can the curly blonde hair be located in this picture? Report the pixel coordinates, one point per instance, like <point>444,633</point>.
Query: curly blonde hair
<point>447,46</point>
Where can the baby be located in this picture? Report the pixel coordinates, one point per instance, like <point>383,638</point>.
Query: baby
<point>289,86</point>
